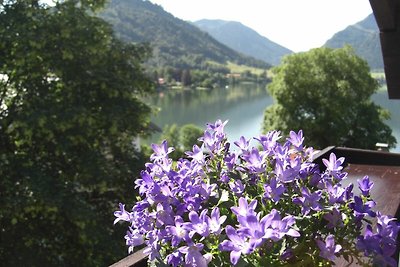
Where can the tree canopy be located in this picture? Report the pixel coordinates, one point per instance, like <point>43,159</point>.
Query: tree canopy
<point>70,108</point>
<point>327,93</point>
<point>181,138</point>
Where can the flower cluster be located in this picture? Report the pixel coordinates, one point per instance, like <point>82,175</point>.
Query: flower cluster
<point>262,205</point>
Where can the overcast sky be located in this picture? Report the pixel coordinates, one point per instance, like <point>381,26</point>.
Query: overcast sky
<point>296,24</point>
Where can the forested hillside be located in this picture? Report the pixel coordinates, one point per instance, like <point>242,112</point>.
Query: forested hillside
<point>175,43</point>
<point>364,38</point>
<point>244,39</point>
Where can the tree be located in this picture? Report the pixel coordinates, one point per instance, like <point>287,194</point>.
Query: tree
<point>326,93</point>
<point>189,135</point>
<point>70,107</point>
<point>186,79</point>
<point>181,138</point>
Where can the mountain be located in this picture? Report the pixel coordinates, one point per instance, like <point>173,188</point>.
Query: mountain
<point>243,39</point>
<point>175,43</point>
<point>364,38</point>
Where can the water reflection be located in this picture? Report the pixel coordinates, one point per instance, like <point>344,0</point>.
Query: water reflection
<point>243,105</point>
<point>393,105</point>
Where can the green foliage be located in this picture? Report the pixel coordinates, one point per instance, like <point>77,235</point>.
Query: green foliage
<point>69,110</point>
<point>189,135</point>
<point>181,138</point>
<point>326,93</point>
<point>186,78</point>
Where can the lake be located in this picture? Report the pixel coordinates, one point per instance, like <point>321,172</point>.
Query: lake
<point>243,105</point>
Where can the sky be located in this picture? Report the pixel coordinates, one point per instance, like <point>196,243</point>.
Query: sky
<point>296,24</point>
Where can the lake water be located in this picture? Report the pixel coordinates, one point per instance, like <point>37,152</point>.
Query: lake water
<point>243,105</point>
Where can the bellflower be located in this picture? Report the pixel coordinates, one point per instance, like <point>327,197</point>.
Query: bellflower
<point>361,209</point>
<point>198,224</point>
<point>296,139</point>
<point>269,141</point>
<point>178,231</point>
<point>122,214</point>
<point>308,200</point>
<point>334,166</point>
<point>365,185</point>
<point>215,221</point>
<point>243,144</point>
<point>334,218</point>
<point>277,228</point>
<point>328,248</point>
<point>161,151</point>
<point>264,205</point>
<point>237,244</point>
<point>244,209</point>
<point>193,256</point>
<point>273,190</point>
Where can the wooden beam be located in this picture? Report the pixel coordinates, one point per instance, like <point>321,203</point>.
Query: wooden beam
<point>385,14</point>
<point>390,42</point>
<point>137,259</point>
<point>359,156</point>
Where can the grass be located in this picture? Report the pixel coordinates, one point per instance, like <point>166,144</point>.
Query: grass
<point>235,68</point>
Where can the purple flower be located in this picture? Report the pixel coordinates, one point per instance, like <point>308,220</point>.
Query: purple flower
<point>133,239</point>
<point>328,248</point>
<point>230,160</point>
<point>153,246</point>
<point>334,218</point>
<point>146,184</point>
<point>276,228</point>
<point>361,209</point>
<point>287,170</point>
<point>308,200</point>
<point>224,177</point>
<point>387,226</point>
<point>198,224</point>
<point>164,215</point>
<point>178,232</point>
<point>287,254</point>
<point>174,259</point>
<point>218,127</point>
<point>210,141</point>
<point>254,229</point>
<point>273,190</point>
<point>237,245</point>
<point>369,242</point>
<point>269,141</point>
<point>244,209</point>
<point>365,185</point>
<point>237,187</point>
<point>349,192</point>
<point>255,161</point>
<point>296,139</point>
<point>336,193</point>
<point>160,151</point>
<point>122,214</point>
<point>196,154</point>
<point>333,164</point>
<point>215,221</point>
<point>193,257</point>
<point>243,144</point>
<point>171,217</point>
